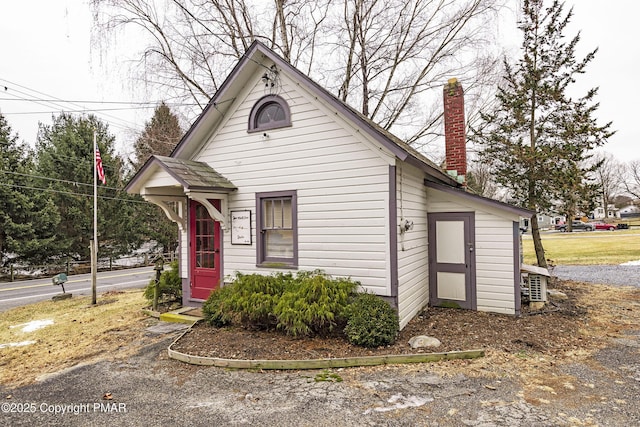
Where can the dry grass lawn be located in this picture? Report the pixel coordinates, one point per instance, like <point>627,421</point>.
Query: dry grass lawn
<point>79,332</point>
<point>586,248</point>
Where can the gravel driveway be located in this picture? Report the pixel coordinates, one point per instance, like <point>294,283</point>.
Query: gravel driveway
<point>151,390</point>
<point>622,275</point>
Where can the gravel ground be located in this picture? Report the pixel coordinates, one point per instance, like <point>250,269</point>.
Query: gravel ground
<point>150,389</point>
<point>621,275</point>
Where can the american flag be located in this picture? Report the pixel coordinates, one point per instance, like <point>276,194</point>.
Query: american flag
<point>101,176</point>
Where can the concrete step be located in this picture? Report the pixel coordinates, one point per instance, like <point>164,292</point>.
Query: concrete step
<point>182,315</point>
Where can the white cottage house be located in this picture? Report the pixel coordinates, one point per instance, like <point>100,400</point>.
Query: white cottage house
<point>277,174</point>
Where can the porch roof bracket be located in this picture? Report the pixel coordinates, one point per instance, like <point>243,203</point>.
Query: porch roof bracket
<point>177,217</point>
<point>216,214</point>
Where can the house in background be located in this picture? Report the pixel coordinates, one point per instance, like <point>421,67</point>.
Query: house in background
<point>631,211</point>
<point>545,221</point>
<point>611,212</point>
<point>277,174</point>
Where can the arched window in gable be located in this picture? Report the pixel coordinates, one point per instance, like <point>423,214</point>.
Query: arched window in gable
<point>270,112</point>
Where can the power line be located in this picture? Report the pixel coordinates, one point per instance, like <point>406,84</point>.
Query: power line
<point>116,121</point>
<point>153,103</point>
<point>75,183</point>
<point>70,193</point>
<point>84,110</point>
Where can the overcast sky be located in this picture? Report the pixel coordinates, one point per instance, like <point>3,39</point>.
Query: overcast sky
<point>47,53</point>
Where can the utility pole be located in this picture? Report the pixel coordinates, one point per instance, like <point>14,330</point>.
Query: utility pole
<point>94,242</point>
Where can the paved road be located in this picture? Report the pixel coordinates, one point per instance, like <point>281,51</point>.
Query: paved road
<point>15,294</point>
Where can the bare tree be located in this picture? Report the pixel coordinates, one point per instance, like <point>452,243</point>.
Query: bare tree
<point>480,179</point>
<point>385,56</point>
<point>398,51</point>
<point>632,181</point>
<point>609,176</point>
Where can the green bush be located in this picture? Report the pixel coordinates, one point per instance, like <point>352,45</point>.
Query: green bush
<point>315,305</point>
<point>170,285</point>
<point>371,322</point>
<point>216,310</point>
<point>250,300</point>
<point>309,303</point>
<point>254,298</point>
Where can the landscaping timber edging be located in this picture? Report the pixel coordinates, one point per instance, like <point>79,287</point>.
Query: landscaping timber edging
<point>347,362</point>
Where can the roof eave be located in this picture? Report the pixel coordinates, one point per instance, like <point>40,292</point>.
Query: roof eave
<point>521,212</point>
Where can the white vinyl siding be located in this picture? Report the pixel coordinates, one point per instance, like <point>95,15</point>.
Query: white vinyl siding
<point>342,186</point>
<point>413,256</point>
<point>493,251</point>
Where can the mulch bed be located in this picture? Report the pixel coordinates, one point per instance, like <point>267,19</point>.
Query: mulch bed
<point>552,330</point>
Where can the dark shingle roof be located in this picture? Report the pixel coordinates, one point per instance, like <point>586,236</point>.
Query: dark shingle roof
<point>192,174</point>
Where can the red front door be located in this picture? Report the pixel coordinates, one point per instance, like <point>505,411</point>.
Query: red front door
<point>204,238</point>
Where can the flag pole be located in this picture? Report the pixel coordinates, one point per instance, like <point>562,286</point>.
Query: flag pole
<point>94,246</point>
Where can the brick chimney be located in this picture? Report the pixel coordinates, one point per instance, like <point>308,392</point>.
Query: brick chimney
<point>454,130</point>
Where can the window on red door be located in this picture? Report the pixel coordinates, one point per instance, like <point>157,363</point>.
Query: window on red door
<point>204,239</point>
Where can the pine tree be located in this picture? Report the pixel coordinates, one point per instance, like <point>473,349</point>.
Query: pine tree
<point>160,136</point>
<point>537,137</point>
<point>27,216</point>
<point>64,158</point>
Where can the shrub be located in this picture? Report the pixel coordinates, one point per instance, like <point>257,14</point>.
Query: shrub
<point>250,299</point>
<point>170,285</point>
<point>315,304</point>
<point>255,296</point>
<point>216,309</point>
<point>371,322</point>
<point>307,304</point>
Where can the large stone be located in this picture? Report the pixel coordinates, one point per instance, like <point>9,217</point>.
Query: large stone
<point>422,341</point>
<point>536,305</point>
<point>557,295</point>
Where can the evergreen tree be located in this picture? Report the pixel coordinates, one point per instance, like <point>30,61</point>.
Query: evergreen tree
<point>27,216</point>
<point>160,136</point>
<point>65,161</point>
<point>536,138</point>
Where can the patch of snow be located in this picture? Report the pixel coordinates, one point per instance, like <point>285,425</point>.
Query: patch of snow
<point>34,325</point>
<point>401,402</point>
<point>631,263</point>
<point>17,344</point>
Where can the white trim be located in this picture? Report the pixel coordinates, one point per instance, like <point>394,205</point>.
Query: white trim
<point>216,214</point>
<point>177,217</point>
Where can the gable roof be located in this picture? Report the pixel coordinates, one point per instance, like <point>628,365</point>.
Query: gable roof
<point>248,65</point>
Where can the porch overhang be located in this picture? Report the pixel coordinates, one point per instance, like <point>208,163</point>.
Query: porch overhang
<point>169,182</point>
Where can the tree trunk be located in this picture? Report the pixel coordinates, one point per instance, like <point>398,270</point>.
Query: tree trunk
<point>537,242</point>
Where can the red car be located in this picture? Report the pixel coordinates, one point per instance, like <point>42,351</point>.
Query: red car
<point>601,225</point>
